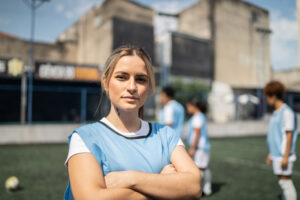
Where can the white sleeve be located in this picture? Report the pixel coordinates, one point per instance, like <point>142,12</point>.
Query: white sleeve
<point>76,146</point>
<point>288,123</point>
<point>168,115</point>
<point>180,143</point>
<point>197,122</point>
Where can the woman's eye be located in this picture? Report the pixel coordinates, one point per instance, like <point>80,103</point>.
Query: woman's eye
<point>141,80</point>
<point>120,77</point>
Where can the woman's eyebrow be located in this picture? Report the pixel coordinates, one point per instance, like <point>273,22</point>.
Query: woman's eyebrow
<point>121,72</point>
<point>125,73</point>
<point>144,75</point>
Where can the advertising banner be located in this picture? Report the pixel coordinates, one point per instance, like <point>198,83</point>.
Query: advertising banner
<point>64,71</point>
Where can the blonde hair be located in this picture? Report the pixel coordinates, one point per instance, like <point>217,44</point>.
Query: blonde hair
<point>128,50</point>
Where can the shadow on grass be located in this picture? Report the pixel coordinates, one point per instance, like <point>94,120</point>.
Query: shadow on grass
<point>215,187</point>
<point>18,189</point>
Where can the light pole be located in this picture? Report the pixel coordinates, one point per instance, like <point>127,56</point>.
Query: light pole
<point>261,77</point>
<point>33,5</point>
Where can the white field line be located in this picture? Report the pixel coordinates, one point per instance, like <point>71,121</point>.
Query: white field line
<point>255,164</point>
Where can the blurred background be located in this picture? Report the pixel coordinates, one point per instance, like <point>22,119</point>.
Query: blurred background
<point>220,51</point>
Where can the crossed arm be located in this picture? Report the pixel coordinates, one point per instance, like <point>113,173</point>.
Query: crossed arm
<point>180,180</point>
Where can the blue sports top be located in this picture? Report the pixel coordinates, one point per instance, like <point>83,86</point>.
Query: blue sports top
<point>178,116</point>
<point>276,138</point>
<point>203,141</point>
<point>116,152</point>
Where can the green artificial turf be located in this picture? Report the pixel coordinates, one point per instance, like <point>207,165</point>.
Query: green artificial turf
<point>237,166</point>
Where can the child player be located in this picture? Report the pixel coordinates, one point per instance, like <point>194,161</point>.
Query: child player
<point>199,146</point>
<point>281,138</point>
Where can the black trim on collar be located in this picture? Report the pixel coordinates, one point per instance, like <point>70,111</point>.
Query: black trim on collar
<point>137,137</point>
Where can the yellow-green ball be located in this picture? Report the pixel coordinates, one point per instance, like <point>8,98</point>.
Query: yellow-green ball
<point>12,183</point>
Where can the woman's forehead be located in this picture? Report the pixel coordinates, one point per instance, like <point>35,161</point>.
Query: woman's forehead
<point>131,64</point>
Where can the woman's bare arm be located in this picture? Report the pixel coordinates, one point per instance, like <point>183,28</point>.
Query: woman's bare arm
<point>87,181</point>
<point>184,184</point>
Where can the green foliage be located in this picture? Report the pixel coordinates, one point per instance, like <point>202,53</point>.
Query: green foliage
<point>190,89</point>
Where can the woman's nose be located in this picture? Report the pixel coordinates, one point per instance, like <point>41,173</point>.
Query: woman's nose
<point>132,85</point>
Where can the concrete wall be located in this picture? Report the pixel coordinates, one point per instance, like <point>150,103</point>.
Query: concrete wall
<point>290,78</point>
<point>58,52</point>
<point>58,133</point>
<point>95,31</point>
<point>241,59</point>
<point>25,134</point>
<point>195,20</point>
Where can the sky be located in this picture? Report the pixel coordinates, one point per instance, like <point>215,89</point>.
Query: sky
<point>55,16</point>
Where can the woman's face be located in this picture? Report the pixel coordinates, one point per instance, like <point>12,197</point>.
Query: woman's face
<point>129,84</point>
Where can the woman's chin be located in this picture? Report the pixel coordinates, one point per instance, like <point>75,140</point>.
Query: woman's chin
<point>129,108</point>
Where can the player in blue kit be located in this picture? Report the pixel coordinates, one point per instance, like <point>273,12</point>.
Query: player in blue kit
<point>123,156</point>
<point>282,136</point>
<point>199,146</point>
<point>172,113</point>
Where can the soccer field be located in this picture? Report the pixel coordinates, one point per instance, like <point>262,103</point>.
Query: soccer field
<point>237,165</point>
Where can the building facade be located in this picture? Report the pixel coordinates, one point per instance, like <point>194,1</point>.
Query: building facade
<point>66,77</point>
<point>240,39</point>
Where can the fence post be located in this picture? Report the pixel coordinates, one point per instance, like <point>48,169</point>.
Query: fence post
<point>83,105</point>
<point>291,100</point>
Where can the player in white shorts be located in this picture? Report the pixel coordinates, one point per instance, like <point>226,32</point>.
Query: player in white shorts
<point>282,136</point>
<point>199,146</point>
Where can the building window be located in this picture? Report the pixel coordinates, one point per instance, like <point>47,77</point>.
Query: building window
<point>255,16</point>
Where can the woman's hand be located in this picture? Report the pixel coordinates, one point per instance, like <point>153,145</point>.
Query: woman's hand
<point>121,179</point>
<point>168,169</point>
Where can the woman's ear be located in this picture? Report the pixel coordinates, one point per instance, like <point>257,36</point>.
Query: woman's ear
<point>104,85</point>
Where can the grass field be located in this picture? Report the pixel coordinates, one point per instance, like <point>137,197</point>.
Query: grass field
<point>237,165</point>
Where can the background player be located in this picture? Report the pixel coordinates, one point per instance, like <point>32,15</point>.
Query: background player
<point>172,113</point>
<point>281,138</point>
<point>199,146</point>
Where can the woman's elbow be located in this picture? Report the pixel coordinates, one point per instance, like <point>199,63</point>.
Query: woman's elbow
<point>197,192</point>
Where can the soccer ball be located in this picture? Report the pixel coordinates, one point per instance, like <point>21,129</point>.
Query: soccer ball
<point>12,183</point>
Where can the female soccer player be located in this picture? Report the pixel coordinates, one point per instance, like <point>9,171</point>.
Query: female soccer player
<point>281,138</point>
<point>199,146</point>
<point>123,156</point>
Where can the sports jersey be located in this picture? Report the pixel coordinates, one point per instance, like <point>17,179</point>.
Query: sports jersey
<point>203,141</point>
<point>278,126</point>
<point>77,145</point>
<point>173,113</point>
<point>116,152</point>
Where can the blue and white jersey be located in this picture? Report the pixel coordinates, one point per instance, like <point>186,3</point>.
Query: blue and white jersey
<point>116,152</point>
<point>173,113</point>
<point>281,121</point>
<point>198,121</point>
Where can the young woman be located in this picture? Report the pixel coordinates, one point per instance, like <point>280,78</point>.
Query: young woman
<point>123,156</point>
<point>199,146</point>
<point>282,136</point>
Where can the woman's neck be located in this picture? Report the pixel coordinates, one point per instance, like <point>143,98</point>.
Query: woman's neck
<point>124,121</point>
